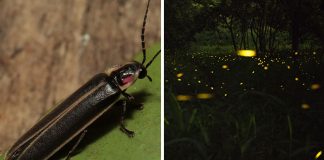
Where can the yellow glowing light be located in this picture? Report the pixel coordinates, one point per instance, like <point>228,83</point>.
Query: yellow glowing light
<point>204,95</point>
<point>315,86</point>
<point>265,68</point>
<point>246,53</point>
<point>241,83</point>
<point>179,79</point>
<point>179,75</point>
<point>296,53</point>
<point>224,66</point>
<point>225,94</point>
<point>318,154</point>
<point>183,97</point>
<point>296,79</point>
<point>305,106</point>
<point>288,67</point>
<point>199,81</point>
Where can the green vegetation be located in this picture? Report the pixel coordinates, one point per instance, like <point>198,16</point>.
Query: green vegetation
<point>263,107</point>
<point>146,144</point>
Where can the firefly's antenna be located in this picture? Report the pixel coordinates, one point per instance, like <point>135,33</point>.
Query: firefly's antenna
<point>143,31</point>
<point>149,63</point>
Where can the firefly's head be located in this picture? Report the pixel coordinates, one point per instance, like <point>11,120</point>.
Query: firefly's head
<point>127,74</point>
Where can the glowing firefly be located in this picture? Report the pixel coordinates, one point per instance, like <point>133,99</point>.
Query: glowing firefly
<point>224,66</point>
<point>305,106</point>
<point>246,53</point>
<point>179,75</point>
<point>318,154</point>
<point>204,96</point>
<point>183,97</point>
<point>315,86</point>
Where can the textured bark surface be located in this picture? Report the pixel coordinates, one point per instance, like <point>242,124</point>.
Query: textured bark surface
<point>50,48</point>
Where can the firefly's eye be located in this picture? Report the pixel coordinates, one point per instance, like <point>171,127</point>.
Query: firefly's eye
<point>127,79</point>
<point>142,73</point>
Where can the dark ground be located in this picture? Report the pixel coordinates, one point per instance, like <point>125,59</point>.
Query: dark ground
<point>263,107</point>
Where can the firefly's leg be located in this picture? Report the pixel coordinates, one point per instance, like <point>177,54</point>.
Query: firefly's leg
<point>131,99</point>
<point>76,144</point>
<point>128,96</point>
<point>122,124</point>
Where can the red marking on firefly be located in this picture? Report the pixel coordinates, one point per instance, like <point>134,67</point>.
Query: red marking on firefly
<point>127,79</point>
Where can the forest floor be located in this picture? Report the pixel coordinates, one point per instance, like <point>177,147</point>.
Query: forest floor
<point>227,106</point>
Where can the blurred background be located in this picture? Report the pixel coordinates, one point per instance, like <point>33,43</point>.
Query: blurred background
<point>48,49</point>
<point>244,79</point>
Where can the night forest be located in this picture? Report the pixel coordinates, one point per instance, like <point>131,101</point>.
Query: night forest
<point>223,104</point>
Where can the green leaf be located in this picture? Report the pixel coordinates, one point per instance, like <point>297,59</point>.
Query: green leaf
<point>146,144</point>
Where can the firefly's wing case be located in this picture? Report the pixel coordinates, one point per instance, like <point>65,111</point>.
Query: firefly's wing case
<point>67,120</point>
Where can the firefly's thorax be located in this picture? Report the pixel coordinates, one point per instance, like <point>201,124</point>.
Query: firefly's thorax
<point>127,74</point>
